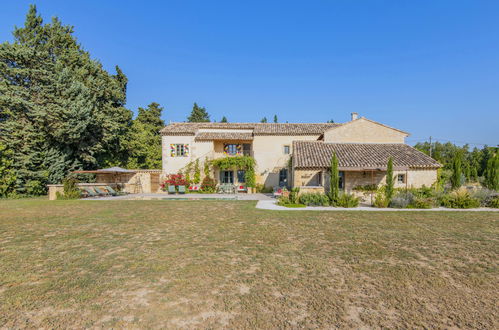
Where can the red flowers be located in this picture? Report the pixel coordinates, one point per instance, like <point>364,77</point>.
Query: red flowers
<point>175,180</point>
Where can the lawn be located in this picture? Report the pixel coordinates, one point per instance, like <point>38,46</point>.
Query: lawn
<point>212,264</point>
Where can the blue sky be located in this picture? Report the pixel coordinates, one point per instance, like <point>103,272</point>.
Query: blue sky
<point>428,67</point>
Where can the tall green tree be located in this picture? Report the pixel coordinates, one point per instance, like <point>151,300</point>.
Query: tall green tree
<point>275,118</point>
<point>389,180</point>
<point>263,120</point>
<point>7,173</point>
<point>492,172</point>
<point>334,180</point>
<point>144,144</point>
<point>456,171</point>
<point>198,114</point>
<point>60,110</point>
<point>224,120</point>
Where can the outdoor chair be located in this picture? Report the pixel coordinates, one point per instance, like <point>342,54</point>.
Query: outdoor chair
<point>90,192</point>
<point>111,191</point>
<point>181,189</point>
<point>101,192</point>
<point>171,190</point>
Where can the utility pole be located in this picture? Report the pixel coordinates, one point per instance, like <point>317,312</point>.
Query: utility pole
<point>430,146</point>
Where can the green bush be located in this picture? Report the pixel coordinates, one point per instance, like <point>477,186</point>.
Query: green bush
<point>459,199</point>
<point>314,199</point>
<point>380,199</point>
<point>402,200</point>
<point>71,190</point>
<point>293,195</point>
<point>347,200</point>
<point>494,202</point>
<point>283,200</point>
<point>422,203</point>
<point>485,196</point>
<point>35,188</point>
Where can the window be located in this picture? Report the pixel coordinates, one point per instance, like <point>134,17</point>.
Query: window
<point>179,150</point>
<point>401,178</point>
<point>227,177</point>
<point>342,179</point>
<point>241,176</point>
<point>247,149</point>
<point>232,149</point>
<point>283,177</point>
<point>286,150</point>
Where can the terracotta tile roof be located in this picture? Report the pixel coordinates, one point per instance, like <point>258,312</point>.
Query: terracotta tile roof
<point>208,136</point>
<point>317,154</point>
<point>258,128</point>
<point>191,128</point>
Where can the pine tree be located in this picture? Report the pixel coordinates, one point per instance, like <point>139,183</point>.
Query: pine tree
<point>330,121</point>
<point>198,115</point>
<point>334,180</point>
<point>264,120</point>
<point>61,110</point>
<point>275,118</point>
<point>389,180</point>
<point>224,120</point>
<point>456,171</point>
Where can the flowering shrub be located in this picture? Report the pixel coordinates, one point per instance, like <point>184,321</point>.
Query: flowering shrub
<point>175,180</point>
<point>208,185</point>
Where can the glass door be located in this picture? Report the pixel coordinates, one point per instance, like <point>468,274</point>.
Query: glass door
<point>227,177</point>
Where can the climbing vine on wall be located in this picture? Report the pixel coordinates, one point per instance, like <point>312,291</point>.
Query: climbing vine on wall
<point>245,163</point>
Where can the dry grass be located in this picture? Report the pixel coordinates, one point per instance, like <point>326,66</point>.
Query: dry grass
<point>208,264</point>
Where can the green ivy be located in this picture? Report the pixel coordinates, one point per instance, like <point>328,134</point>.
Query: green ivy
<point>246,163</point>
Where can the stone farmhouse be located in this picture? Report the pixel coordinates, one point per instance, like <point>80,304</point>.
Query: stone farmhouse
<point>299,154</point>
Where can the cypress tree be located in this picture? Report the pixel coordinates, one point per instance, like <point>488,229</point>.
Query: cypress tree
<point>492,172</point>
<point>144,144</point>
<point>334,180</point>
<point>275,118</point>
<point>197,172</point>
<point>456,171</point>
<point>389,179</point>
<point>263,120</point>
<point>198,114</point>
<point>224,120</point>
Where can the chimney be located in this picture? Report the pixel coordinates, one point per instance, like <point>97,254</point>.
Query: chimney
<point>355,115</point>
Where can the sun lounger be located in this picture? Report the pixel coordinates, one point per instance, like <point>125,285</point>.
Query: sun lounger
<point>90,192</point>
<point>111,191</point>
<point>101,192</point>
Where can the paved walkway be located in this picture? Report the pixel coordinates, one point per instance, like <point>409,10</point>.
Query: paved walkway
<point>271,205</point>
<point>191,196</point>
